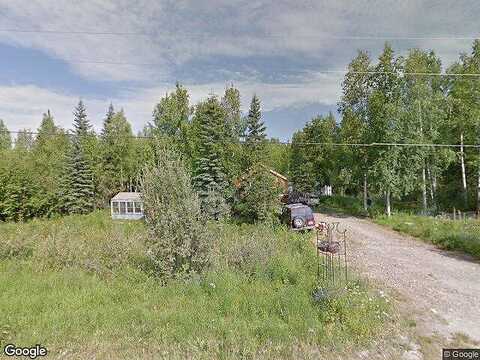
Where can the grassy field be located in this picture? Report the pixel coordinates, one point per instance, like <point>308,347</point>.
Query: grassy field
<point>81,286</point>
<point>446,234</point>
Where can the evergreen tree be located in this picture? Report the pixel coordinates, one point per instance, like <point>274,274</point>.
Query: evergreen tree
<point>81,125</point>
<point>5,138</point>
<point>108,119</point>
<point>77,186</point>
<point>255,134</point>
<point>209,173</point>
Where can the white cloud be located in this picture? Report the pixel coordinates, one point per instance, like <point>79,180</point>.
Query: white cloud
<point>189,30</point>
<point>298,36</point>
<point>22,106</point>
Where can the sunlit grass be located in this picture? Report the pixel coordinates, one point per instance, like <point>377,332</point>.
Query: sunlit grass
<point>462,235</point>
<point>66,287</point>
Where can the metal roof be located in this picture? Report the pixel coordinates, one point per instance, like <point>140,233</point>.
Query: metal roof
<point>132,196</point>
<point>296,205</point>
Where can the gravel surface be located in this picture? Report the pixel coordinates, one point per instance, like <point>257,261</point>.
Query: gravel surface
<point>440,289</point>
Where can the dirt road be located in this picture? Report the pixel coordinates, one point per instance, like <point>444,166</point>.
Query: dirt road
<point>440,290</point>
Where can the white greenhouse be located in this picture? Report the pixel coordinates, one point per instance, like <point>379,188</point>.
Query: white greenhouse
<point>127,206</point>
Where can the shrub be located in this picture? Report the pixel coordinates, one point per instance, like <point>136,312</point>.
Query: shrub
<point>214,206</point>
<point>178,240</point>
<point>258,197</point>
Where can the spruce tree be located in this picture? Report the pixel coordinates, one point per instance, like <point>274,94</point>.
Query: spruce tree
<point>5,138</point>
<point>255,134</point>
<point>209,172</point>
<point>77,186</point>
<point>108,119</point>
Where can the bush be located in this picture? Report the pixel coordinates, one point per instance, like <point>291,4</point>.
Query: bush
<point>178,241</point>
<point>90,242</point>
<point>258,197</point>
<point>253,301</point>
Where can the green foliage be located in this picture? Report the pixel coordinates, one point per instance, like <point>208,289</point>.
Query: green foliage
<point>24,140</point>
<point>277,156</point>
<point>48,154</point>
<point>341,205</point>
<point>118,162</point>
<point>258,197</point>
<point>446,234</point>
<point>20,198</point>
<point>254,135</point>
<point>254,301</point>
<point>77,180</point>
<point>209,171</point>
<point>312,167</point>
<point>235,124</point>
<point>5,137</point>
<point>171,114</point>
<point>179,242</point>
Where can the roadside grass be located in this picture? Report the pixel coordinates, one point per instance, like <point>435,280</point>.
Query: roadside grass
<point>80,286</point>
<point>446,234</point>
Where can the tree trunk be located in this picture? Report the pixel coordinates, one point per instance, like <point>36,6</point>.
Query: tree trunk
<point>387,203</point>
<point>464,176</point>
<point>424,190</point>
<point>432,181</point>
<point>365,196</point>
<point>478,192</point>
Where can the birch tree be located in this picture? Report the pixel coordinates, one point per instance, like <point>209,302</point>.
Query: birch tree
<point>353,107</point>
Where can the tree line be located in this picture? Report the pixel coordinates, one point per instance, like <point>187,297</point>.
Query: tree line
<point>56,172</point>
<point>399,100</point>
<point>394,100</point>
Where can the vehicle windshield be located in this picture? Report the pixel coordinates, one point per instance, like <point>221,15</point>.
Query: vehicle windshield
<point>302,211</point>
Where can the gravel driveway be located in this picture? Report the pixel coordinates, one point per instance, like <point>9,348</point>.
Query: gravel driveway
<point>440,289</point>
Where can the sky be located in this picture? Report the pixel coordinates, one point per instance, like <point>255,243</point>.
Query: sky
<point>55,52</point>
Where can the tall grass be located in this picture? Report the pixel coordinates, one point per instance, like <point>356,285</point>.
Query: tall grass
<point>446,234</point>
<point>80,286</point>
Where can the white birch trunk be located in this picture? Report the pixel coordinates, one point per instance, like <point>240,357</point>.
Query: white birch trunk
<point>478,191</point>
<point>430,181</point>
<point>365,196</point>
<point>424,190</point>
<point>387,203</point>
<point>464,176</point>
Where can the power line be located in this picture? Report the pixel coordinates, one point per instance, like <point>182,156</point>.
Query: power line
<point>374,144</point>
<point>340,72</point>
<point>196,35</point>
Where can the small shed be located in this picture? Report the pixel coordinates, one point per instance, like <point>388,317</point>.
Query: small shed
<point>127,206</point>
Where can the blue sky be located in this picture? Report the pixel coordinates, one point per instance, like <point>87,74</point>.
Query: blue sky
<point>276,49</point>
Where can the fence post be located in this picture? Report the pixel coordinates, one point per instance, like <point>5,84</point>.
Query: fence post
<point>454,213</point>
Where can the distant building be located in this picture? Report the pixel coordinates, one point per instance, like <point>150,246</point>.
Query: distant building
<point>280,180</point>
<point>326,190</point>
<point>127,206</point>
